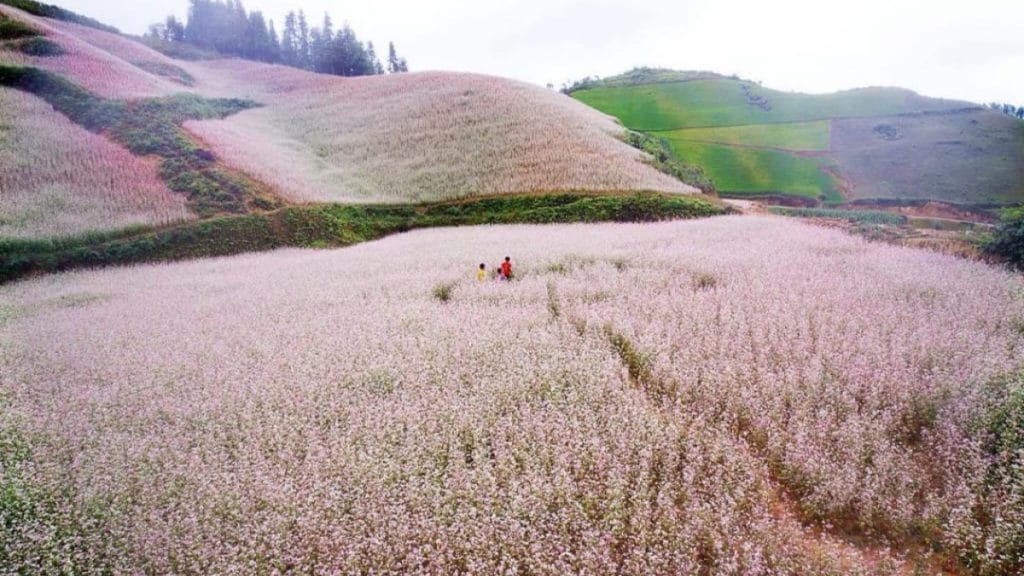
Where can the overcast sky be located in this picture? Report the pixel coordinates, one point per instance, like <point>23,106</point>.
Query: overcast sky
<point>967,50</point>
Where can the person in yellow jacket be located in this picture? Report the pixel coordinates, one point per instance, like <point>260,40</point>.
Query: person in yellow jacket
<point>481,274</point>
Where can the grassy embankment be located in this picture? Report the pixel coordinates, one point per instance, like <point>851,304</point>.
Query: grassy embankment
<point>239,214</point>
<point>322,226</point>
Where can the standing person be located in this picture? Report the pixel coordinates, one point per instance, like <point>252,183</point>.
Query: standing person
<point>481,274</point>
<point>506,268</point>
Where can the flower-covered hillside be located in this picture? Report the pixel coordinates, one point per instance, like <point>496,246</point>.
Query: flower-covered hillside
<point>57,179</point>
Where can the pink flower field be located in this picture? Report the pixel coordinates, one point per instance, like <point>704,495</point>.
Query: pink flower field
<point>414,137</point>
<point>738,395</point>
<point>401,138</point>
<point>58,179</point>
<point>104,65</point>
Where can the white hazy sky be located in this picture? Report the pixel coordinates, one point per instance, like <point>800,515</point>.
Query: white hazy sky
<point>966,50</point>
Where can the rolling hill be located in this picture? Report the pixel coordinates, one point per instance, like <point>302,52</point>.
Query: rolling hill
<point>232,139</point>
<point>394,138</point>
<point>864,144</point>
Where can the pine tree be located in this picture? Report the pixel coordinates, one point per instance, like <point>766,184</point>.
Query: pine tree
<point>257,38</point>
<point>303,57</point>
<point>320,46</point>
<point>328,32</point>
<point>226,26</point>
<point>174,31</point>
<point>396,64</point>
<point>275,44</point>
<point>371,55</point>
<point>289,49</point>
<point>316,50</point>
<point>238,28</point>
<point>393,62</point>
<point>197,28</point>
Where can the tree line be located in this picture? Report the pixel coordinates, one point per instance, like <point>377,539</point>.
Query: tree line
<point>1008,109</point>
<point>225,27</point>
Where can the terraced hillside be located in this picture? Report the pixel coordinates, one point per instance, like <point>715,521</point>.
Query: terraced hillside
<point>871,143</point>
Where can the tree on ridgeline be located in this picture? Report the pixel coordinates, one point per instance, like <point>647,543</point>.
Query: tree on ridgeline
<point>304,60</point>
<point>395,64</point>
<point>175,31</point>
<point>275,44</point>
<point>225,27</point>
<point>371,55</point>
<point>327,32</point>
<point>320,42</point>
<point>289,45</point>
<point>1008,109</point>
<point>257,43</point>
<point>348,57</point>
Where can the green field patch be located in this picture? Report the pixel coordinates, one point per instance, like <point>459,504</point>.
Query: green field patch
<point>36,46</point>
<point>797,136</point>
<point>759,172</point>
<point>726,102</point>
<point>169,71</point>
<point>855,216</point>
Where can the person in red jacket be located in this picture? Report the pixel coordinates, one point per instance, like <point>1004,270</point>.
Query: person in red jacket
<point>506,268</point>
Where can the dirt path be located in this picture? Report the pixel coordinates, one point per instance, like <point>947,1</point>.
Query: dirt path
<point>854,555</point>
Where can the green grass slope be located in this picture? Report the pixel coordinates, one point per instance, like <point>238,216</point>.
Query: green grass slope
<point>728,102</point>
<point>869,143</point>
<point>807,136</point>
<point>760,172</point>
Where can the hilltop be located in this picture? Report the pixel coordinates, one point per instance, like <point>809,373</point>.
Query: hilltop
<point>203,141</point>
<point>862,145</point>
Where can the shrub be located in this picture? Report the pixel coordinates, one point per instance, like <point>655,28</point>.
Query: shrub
<point>1008,241</point>
<point>11,29</point>
<point>443,292</point>
<point>704,281</point>
<point>168,71</point>
<point>992,542</point>
<point>39,46</point>
<point>663,159</point>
